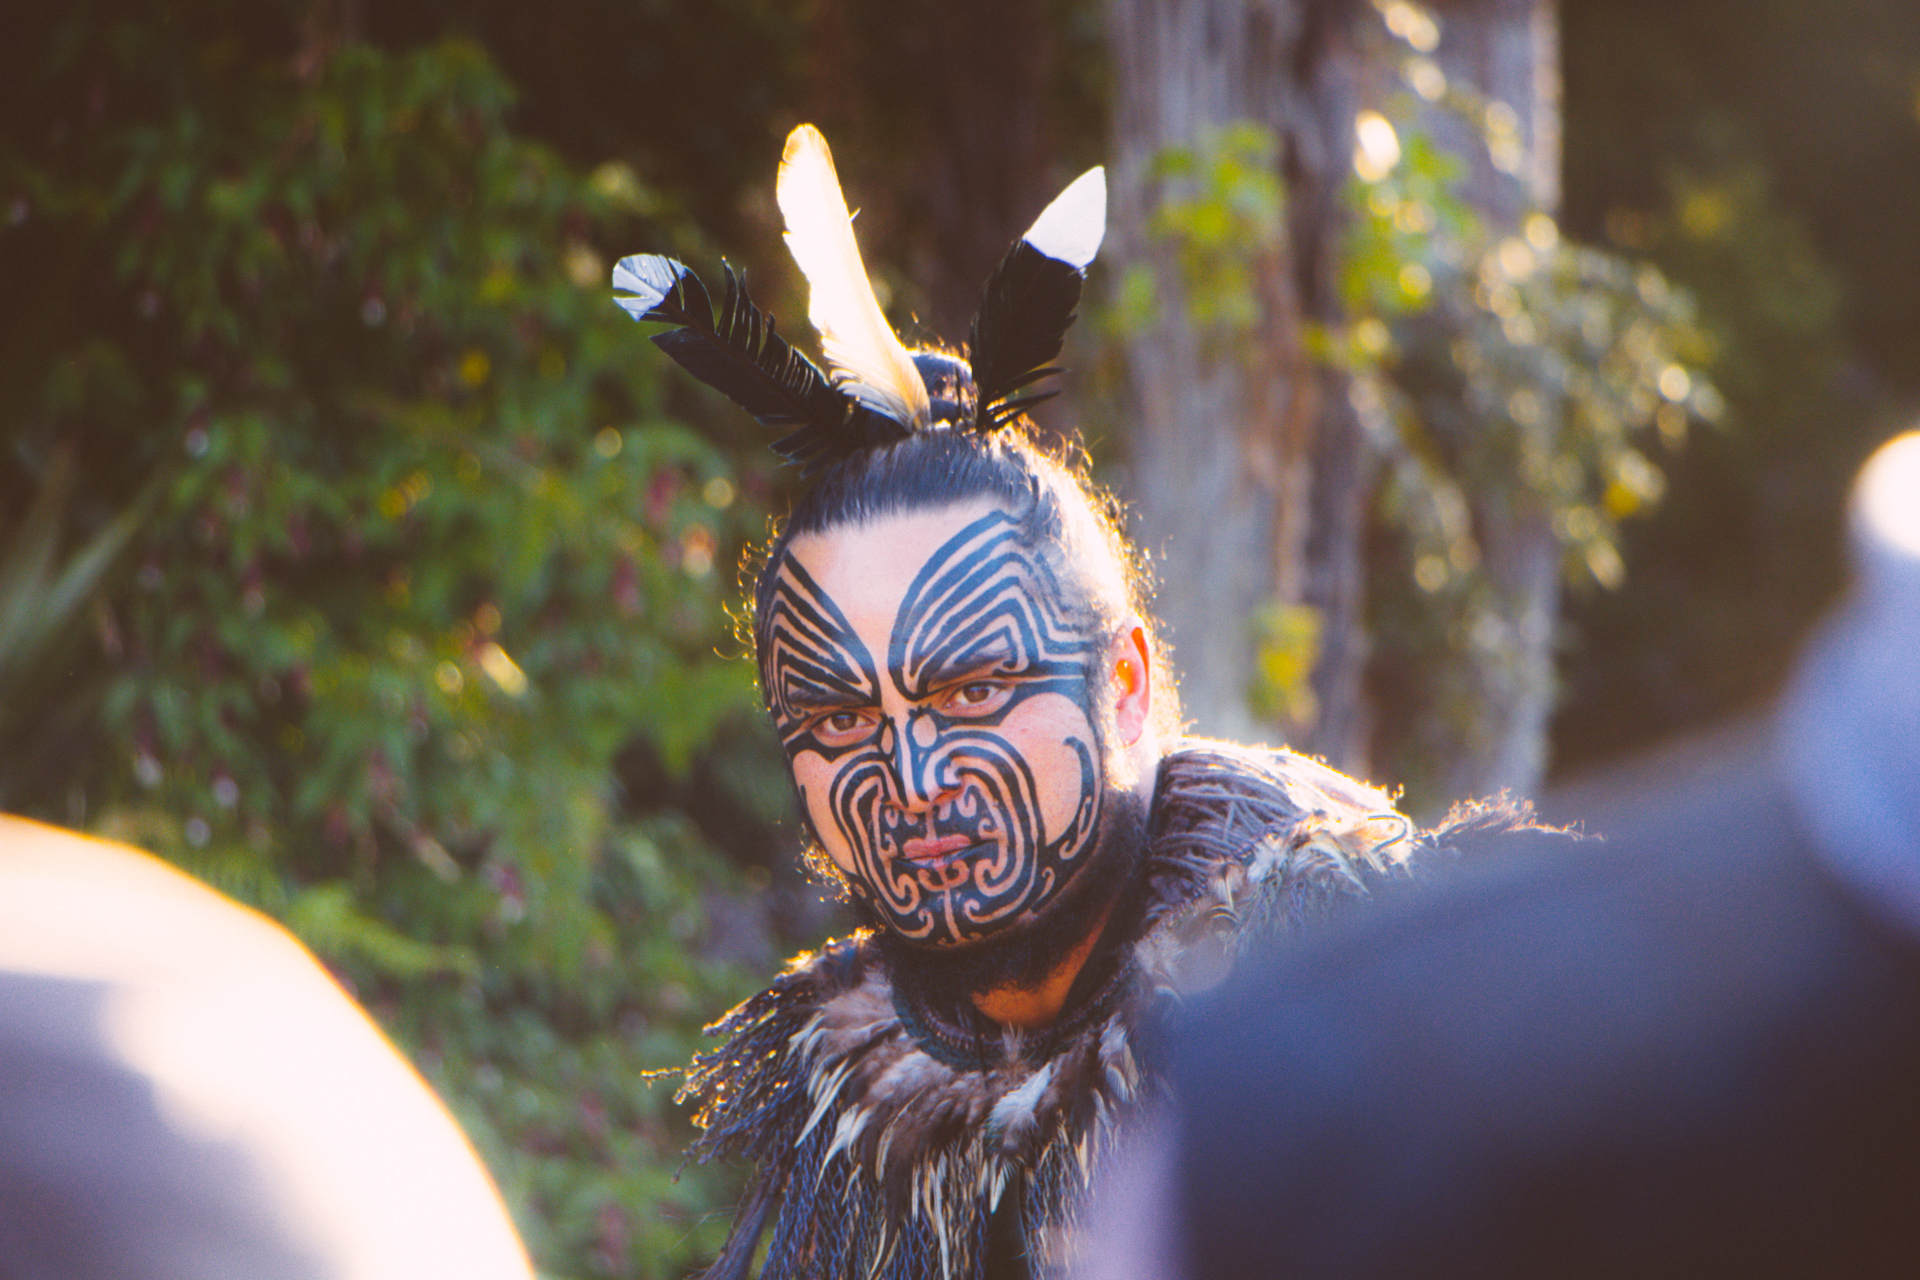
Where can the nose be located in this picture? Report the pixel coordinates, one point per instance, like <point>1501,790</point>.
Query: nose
<point>908,742</point>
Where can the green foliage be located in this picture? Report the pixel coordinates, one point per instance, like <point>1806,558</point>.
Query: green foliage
<point>1219,212</point>
<point>1507,375</point>
<point>1286,645</point>
<point>1731,569</point>
<point>424,549</point>
<point>42,591</point>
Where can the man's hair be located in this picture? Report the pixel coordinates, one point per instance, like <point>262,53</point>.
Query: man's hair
<point>1061,512</point>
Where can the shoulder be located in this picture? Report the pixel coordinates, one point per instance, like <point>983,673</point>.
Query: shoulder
<point>1293,838</point>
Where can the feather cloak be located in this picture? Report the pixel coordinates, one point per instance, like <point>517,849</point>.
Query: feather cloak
<point>885,1148</point>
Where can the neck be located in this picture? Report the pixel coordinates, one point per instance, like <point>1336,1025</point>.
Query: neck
<point>1035,1005</point>
<point>1023,978</point>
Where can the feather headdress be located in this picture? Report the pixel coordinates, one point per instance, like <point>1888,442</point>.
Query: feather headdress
<point>877,391</point>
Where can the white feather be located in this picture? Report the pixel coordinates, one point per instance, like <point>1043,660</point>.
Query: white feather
<point>1071,228</point>
<point>867,358</point>
<point>648,277</point>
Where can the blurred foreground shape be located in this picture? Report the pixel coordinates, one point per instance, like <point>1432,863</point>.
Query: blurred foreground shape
<point>1691,1050</point>
<point>185,1094</point>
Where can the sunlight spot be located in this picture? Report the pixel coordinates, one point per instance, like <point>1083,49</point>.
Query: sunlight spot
<point>1526,408</point>
<point>584,267</point>
<point>1652,287</point>
<point>1674,383</point>
<point>1414,25</point>
<point>1426,77</point>
<point>1542,232</point>
<point>503,670</point>
<point>1376,146</point>
<point>1604,563</point>
<point>1516,258</point>
<point>1888,498</point>
<point>696,551</point>
<point>1576,524</point>
<point>1414,217</point>
<point>1638,481</point>
<point>1371,336</point>
<point>1671,420</point>
<point>1706,214</point>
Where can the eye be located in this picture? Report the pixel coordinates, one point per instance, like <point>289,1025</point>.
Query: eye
<point>978,697</point>
<point>841,728</point>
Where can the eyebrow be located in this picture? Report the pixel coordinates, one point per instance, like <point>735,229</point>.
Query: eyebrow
<point>997,659</point>
<point>810,697</point>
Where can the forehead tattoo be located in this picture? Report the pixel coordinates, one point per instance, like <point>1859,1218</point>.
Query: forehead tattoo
<point>984,606</point>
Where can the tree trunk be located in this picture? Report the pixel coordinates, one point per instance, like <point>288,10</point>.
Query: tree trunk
<point>1238,434</point>
<point>1507,52</point>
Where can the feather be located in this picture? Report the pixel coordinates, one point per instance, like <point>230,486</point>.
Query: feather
<point>903,1158</point>
<point>748,1224</point>
<point>868,361</point>
<point>742,356</point>
<point>1030,299</point>
<point>1071,228</point>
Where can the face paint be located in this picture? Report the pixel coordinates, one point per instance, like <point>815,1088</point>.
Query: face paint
<point>960,787</point>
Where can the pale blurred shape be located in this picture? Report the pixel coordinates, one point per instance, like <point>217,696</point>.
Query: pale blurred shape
<point>1376,146</point>
<point>1888,501</point>
<point>503,670</point>
<point>1129,1233</point>
<point>247,1040</point>
<point>1413,24</point>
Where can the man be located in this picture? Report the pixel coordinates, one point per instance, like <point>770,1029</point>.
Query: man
<point>186,1094</point>
<point>982,732</point>
<point>1692,1050</point>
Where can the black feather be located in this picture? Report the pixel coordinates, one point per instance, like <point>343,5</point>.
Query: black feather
<point>740,355</point>
<point>748,1225</point>
<point>1027,306</point>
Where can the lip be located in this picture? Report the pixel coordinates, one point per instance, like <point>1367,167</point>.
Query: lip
<point>923,850</point>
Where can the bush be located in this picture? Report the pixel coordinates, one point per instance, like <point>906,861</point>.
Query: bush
<point>419,549</point>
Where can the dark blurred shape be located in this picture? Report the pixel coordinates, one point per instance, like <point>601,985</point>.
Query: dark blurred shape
<point>185,1094</point>
<point>1693,1049</point>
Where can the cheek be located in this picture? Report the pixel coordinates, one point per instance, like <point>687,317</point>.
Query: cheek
<point>814,777</point>
<point>1049,733</point>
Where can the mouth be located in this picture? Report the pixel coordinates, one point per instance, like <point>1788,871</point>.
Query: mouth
<point>923,849</point>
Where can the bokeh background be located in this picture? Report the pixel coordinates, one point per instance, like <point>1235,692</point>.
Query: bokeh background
<point>357,555</point>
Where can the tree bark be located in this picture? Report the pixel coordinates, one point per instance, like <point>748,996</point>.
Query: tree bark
<point>1246,464</point>
<point>1507,51</point>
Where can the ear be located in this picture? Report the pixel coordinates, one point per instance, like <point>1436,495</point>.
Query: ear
<point>1130,677</point>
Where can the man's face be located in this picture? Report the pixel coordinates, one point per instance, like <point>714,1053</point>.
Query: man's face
<point>937,706</point>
